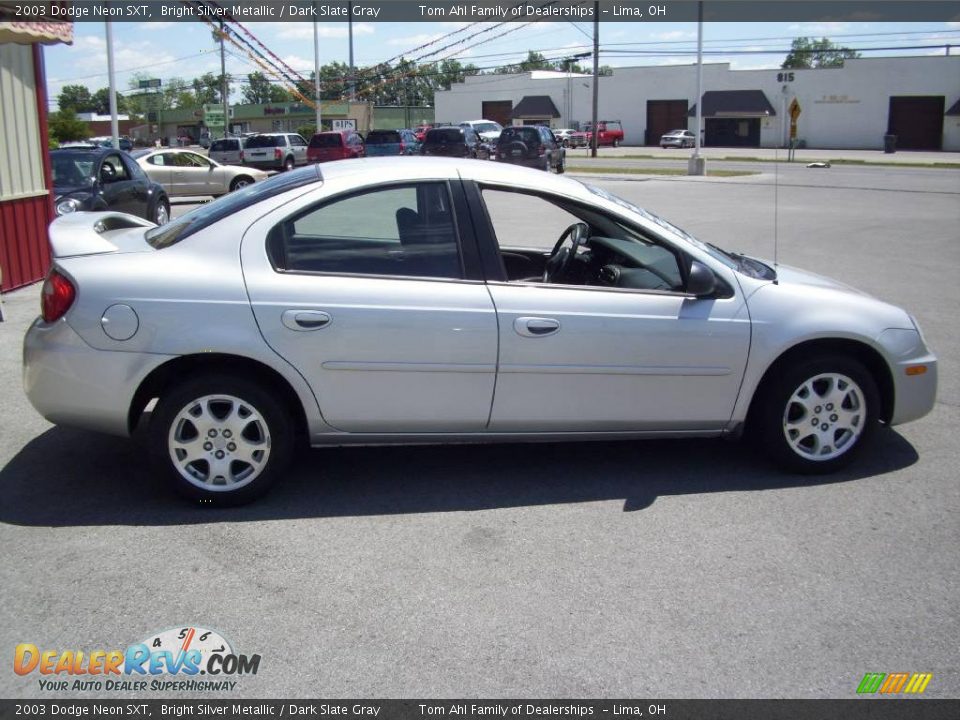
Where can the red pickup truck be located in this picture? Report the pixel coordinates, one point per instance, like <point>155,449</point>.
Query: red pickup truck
<point>610,133</point>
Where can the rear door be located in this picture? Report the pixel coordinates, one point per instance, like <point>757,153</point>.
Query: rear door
<point>298,146</point>
<point>370,295</point>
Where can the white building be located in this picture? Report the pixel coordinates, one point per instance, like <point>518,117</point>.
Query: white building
<point>915,98</point>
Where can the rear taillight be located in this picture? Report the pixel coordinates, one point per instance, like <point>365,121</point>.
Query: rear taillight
<point>241,156</point>
<point>57,297</point>
<point>403,148</point>
<point>277,153</point>
<point>541,149</point>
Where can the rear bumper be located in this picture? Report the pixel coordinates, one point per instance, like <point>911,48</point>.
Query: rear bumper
<point>536,163</point>
<point>71,383</point>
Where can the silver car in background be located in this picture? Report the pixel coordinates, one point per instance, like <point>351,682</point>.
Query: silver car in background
<point>384,301</point>
<point>227,151</point>
<point>186,173</point>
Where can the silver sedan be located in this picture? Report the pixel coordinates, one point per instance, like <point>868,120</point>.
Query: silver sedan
<point>400,300</point>
<point>186,173</point>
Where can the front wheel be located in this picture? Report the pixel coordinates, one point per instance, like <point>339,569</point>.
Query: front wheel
<point>240,182</point>
<point>817,414</point>
<point>161,212</point>
<point>220,439</point>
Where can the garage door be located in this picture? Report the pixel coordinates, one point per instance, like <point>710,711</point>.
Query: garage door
<point>664,116</point>
<point>498,111</point>
<point>917,121</point>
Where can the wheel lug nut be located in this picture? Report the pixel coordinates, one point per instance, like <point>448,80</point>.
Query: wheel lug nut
<point>815,422</point>
<point>231,447</point>
<point>829,406</point>
<point>227,433</point>
<point>824,427</point>
<point>817,409</point>
<point>208,446</point>
<point>833,418</point>
<point>219,454</point>
<point>211,433</point>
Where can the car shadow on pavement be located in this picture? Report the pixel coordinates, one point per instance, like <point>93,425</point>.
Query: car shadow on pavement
<point>70,477</point>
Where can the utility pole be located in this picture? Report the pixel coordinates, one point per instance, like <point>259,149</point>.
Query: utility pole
<point>114,123</point>
<point>224,90</point>
<point>698,165</point>
<point>596,75</point>
<point>316,74</point>
<point>353,83</point>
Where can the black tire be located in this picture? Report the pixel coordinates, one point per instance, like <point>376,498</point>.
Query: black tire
<point>289,163</point>
<point>161,211</point>
<point>850,427</point>
<point>561,167</point>
<point>240,181</point>
<point>197,408</point>
<point>616,143</point>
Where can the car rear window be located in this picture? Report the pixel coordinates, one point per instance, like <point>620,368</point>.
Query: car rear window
<point>266,141</point>
<point>524,134</point>
<point>326,140</point>
<point>383,137</point>
<point>446,136</point>
<point>210,213</point>
<point>225,145</point>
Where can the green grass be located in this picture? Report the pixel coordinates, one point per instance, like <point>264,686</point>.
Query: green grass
<point>801,160</point>
<point>653,171</point>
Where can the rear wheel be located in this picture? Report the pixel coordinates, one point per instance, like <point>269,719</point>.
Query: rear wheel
<point>220,439</point>
<point>816,415</point>
<point>288,164</point>
<point>241,181</point>
<point>616,143</point>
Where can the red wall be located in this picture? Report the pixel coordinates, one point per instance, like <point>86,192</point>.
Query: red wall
<point>24,244</point>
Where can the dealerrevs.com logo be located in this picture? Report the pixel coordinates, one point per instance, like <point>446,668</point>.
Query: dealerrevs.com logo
<point>167,661</point>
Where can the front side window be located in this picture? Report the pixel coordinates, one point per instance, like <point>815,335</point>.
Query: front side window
<point>402,230</point>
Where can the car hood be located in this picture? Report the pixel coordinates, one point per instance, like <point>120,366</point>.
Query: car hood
<point>788,275</point>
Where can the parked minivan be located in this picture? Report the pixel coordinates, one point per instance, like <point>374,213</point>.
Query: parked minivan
<point>335,145</point>
<point>392,142</point>
<point>227,151</point>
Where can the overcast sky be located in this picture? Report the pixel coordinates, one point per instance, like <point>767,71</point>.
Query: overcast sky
<point>185,49</point>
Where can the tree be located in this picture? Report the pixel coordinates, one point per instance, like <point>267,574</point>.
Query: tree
<point>258,90</point>
<point>101,102</point>
<point>177,94</point>
<point>808,52</point>
<point>63,126</point>
<point>534,61</point>
<point>76,98</point>
<point>208,88</point>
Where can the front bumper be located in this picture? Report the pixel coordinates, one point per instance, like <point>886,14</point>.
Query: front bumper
<point>913,395</point>
<point>71,383</point>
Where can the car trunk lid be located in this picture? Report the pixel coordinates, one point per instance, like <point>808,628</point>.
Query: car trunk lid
<point>96,233</point>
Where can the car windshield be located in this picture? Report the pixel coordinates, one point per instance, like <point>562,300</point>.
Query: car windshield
<point>383,137</point>
<point>205,215</point>
<point>73,168</point>
<point>727,259</point>
<point>324,140</point>
<point>265,141</point>
<point>676,132</point>
<point>445,137</point>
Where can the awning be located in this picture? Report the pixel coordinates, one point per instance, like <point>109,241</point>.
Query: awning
<point>28,33</point>
<point>734,103</point>
<point>535,106</point>
<point>954,109</point>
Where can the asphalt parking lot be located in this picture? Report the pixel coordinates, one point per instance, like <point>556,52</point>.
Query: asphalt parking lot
<point>657,569</point>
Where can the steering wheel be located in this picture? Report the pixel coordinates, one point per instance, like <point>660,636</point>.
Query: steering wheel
<point>107,172</point>
<point>561,257</point>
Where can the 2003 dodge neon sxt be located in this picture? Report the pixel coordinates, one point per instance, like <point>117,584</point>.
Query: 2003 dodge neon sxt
<point>382,301</point>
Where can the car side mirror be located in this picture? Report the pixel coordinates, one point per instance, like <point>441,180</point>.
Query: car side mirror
<point>701,281</point>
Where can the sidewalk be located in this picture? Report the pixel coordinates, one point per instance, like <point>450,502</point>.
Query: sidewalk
<point>905,157</point>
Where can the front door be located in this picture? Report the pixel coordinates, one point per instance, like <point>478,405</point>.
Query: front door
<point>365,294</point>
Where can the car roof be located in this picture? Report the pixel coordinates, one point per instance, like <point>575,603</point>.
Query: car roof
<point>97,150</point>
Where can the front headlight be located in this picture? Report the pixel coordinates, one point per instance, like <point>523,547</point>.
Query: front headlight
<point>67,205</point>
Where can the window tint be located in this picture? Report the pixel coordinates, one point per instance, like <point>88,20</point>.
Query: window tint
<point>404,230</point>
<point>326,140</point>
<point>266,141</point>
<point>527,135</point>
<point>446,136</point>
<point>225,145</point>
<point>113,170</point>
<point>383,137</point>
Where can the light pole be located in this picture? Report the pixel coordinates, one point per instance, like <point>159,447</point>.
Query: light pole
<point>316,73</point>
<point>114,123</point>
<point>698,165</point>
<point>224,91</point>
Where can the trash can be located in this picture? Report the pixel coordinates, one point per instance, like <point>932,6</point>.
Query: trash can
<point>889,143</point>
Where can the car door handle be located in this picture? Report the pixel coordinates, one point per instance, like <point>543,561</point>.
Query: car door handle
<point>301,320</point>
<point>535,326</point>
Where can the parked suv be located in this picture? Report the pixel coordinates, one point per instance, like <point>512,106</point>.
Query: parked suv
<point>451,142</point>
<point>227,151</point>
<point>392,142</point>
<point>335,145</point>
<point>531,146</point>
<point>274,151</point>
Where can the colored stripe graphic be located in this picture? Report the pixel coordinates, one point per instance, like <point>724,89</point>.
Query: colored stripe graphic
<point>870,683</point>
<point>894,683</point>
<point>918,683</point>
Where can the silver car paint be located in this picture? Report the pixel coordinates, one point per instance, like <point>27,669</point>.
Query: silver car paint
<point>195,297</point>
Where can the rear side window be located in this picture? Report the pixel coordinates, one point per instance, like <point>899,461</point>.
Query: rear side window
<point>447,136</point>
<point>402,231</point>
<point>383,137</point>
<point>266,141</point>
<point>326,140</point>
